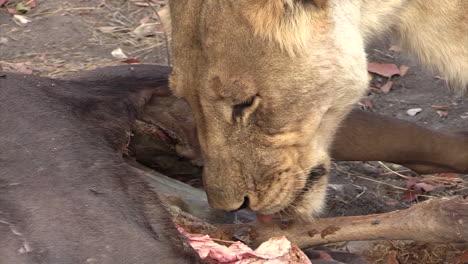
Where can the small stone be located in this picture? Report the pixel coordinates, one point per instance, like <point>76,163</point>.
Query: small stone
<point>337,187</point>
<point>119,54</point>
<point>3,41</point>
<point>358,247</point>
<point>22,20</point>
<point>414,111</point>
<point>25,248</point>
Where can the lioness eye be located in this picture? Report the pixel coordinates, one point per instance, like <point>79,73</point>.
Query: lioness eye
<point>239,110</point>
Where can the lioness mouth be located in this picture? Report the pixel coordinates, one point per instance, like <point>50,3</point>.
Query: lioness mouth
<point>314,175</point>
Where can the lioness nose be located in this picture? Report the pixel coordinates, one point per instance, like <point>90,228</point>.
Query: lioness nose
<point>228,200</point>
<point>244,205</point>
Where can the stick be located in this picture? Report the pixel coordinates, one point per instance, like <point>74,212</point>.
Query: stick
<point>435,221</point>
<point>443,220</point>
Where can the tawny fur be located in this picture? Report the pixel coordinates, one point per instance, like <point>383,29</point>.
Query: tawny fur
<point>435,31</point>
<point>303,64</point>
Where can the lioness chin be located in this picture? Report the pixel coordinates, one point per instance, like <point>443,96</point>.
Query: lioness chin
<point>269,82</point>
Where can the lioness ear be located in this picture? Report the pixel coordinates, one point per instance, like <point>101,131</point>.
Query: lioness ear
<point>288,22</point>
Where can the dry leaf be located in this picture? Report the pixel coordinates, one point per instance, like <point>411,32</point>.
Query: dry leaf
<point>403,70</point>
<point>21,7</point>
<point>414,189</point>
<point>132,61</point>
<point>386,87</point>
<point>2,2</point>
<point>425,187</point>
<point>391,258</point>
<point>411,195</point>
<point>462,259</point>
<point>31,3</point>
<point>387,70</point>
<point>22,67</point>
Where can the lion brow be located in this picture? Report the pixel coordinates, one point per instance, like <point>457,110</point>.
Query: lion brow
<point>289,23</point>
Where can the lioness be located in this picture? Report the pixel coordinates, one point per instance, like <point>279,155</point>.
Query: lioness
<point>269,82</point>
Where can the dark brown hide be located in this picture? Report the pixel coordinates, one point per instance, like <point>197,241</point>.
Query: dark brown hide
<point>66,195</point>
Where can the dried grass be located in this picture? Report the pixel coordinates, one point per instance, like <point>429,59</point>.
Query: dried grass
<point>121,16</point>
<point>410,252</point>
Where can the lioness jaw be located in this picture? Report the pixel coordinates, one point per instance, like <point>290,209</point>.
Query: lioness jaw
<point>269,83</point>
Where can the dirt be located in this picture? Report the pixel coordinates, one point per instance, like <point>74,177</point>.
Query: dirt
<point>64,37</point>
<point>359,187</point>
<point>69,36</point>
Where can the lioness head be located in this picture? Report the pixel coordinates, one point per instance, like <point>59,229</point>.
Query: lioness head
<point>268,82</point>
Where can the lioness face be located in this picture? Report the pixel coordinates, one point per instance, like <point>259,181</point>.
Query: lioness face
<point>269,82</point>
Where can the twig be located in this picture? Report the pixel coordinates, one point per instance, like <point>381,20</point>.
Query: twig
<point>380,182</point>
<point>392,171</point>
<point>61,10</point>
<point>369,179</point>
<point>166,39</point>
<point>133,53</point>
<point>434,221</point>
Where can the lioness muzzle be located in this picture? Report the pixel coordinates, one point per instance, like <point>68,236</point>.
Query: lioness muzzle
<point>270,81</point>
